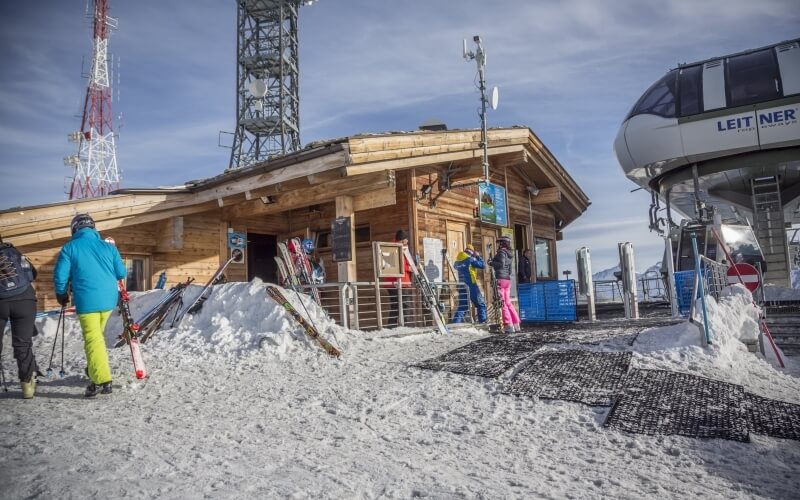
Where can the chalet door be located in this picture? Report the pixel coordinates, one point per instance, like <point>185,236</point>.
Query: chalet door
<point>261,252</point>
<point>456,241</point>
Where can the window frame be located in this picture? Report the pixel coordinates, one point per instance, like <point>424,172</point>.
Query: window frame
<point>776,78</point>
<point>147,265</point>
<point>637,110</point>
<point>550,243</point>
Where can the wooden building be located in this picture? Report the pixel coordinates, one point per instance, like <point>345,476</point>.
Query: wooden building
<point>424,182</point>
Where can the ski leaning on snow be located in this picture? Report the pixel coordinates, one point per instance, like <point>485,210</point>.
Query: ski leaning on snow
<point>428,293</point>
<point>130,332</point>
<point>197,303</point>
<point>310,329</point>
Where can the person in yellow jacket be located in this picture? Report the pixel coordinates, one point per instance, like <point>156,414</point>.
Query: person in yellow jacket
<point>466,264</point>
<point>93,268</point>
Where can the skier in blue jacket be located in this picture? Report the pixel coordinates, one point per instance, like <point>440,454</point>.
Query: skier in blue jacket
<point>93,268</point>
<point>466,264</point>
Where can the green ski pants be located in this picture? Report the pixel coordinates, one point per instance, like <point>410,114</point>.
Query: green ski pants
<point>94,343</point>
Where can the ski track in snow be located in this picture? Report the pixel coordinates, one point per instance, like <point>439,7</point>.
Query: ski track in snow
<point>221,417</point>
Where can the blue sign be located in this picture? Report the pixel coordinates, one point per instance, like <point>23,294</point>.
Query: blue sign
<point>493,208</point>
<point>237,240</point>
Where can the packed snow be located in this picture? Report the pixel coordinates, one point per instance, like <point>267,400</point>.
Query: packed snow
<point>241,403</point>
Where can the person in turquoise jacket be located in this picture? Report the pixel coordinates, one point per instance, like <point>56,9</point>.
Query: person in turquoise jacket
<point>93,268</point>
<point>466,264</point>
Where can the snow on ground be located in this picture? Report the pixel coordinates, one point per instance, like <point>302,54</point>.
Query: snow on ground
<point>240,403</point>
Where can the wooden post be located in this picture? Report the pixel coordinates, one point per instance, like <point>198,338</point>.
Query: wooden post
<point>344,208</point>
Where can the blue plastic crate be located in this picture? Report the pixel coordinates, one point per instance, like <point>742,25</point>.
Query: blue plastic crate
<point>548,301</point>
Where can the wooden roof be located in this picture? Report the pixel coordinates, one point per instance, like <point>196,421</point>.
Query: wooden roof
<point>357,165</point>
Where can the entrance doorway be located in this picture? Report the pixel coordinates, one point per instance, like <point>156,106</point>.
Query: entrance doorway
<point>261,252</point>
<point>456,241</point>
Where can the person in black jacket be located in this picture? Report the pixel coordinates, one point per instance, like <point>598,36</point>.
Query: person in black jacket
<point>503,264</point>
<point>525,270</point>
<point>18,304</point>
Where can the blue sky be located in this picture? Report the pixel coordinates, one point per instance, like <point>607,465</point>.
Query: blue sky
<point>569,69</point>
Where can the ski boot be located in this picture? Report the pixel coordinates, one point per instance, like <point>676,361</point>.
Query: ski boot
<point>92,389</point>
<point>29,387</point>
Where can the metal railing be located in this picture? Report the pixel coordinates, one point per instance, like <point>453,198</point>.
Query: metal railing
<point>365,305</point>
<point>649,289</point>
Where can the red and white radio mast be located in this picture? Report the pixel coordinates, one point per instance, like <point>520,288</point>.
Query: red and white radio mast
<point>95,165</point>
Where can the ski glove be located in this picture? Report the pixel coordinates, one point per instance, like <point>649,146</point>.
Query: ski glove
<point>63,299</point>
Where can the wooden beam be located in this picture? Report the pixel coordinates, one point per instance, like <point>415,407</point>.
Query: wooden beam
<point>347,270</point>
<point>547,196</point>
<point>349,186</point>
<point>104,225</point>
<point>170,235</point>
<point>302,169</point>
<point>419,161</point>
<point>375,199</point>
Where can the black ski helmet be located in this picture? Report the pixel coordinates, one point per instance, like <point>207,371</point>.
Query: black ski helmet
<point>81,221</point>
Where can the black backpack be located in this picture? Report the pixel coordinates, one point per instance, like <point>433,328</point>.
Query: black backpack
<point>16,273</point>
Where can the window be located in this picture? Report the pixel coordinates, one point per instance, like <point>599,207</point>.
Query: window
<point>542,257</point>
<point>691,90</point>
<point>752,78</point>
<point>659,98</point>
<point>138,279</point>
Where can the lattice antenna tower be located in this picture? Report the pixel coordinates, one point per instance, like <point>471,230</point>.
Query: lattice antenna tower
<point>267,81</point>
<point>95,165</point>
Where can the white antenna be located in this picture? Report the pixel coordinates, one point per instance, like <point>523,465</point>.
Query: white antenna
<point>480,58</point>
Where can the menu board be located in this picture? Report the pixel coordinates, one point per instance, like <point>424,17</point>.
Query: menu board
<point>341,248</point>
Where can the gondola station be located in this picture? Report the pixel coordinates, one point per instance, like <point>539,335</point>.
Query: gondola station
<point>343,195</point>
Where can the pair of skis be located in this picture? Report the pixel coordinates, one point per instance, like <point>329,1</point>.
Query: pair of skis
<point>205,293</point>
<point>497,300</point>
<point>294,266</point>
<point>427,291</point>
<point>130,332</point>
<point>307,325</point>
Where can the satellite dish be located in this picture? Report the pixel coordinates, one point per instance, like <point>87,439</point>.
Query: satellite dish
<point>495,97</point>
<point>258,88</point>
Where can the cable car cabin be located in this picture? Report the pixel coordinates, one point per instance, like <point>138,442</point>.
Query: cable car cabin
<point>739,238</point>
<point>712,109</point>
<point>722,137</point>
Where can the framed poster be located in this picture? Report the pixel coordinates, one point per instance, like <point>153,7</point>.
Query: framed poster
<point>388,259</point>
<point>493,206</point>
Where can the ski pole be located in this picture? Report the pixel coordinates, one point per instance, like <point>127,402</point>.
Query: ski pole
<point>2,368</point>
<point>62,373</point>
<point>55,341</point>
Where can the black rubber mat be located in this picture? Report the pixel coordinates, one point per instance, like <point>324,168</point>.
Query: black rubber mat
<point>658,402</point>
<point>487,357</point>
<point>772,418</point>
<point>593,378</point>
